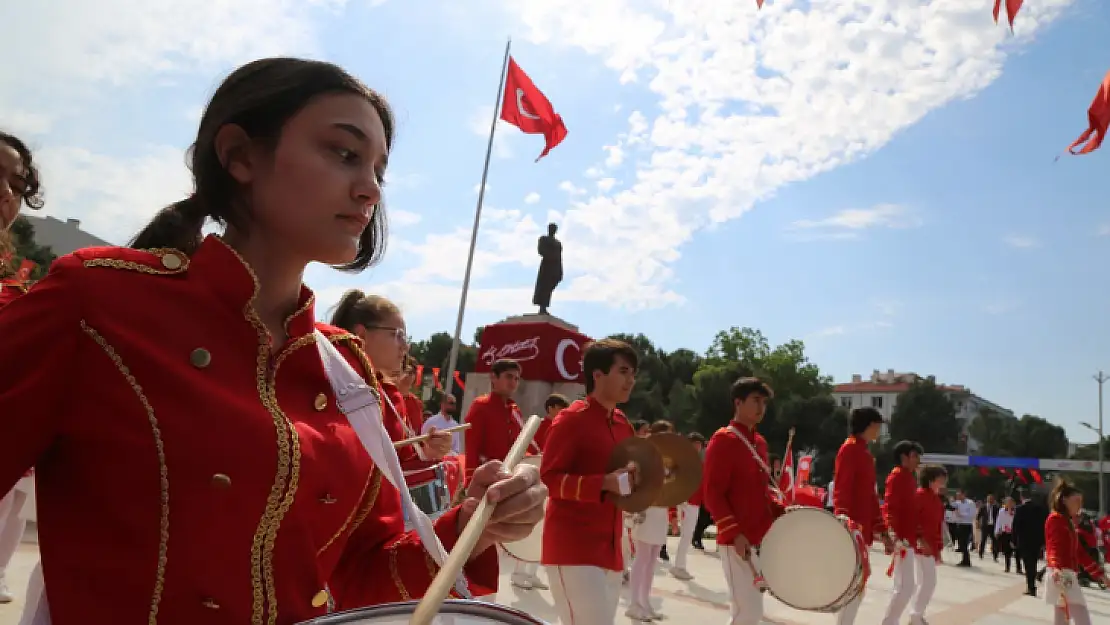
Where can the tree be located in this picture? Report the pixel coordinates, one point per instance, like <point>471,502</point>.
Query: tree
<point>1034,437</point>
<point>994,431</point>
<point>23,234</point>
<point>924,413</point>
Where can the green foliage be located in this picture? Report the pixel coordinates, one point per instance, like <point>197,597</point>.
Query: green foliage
<point>1031,436</point>
<point>23,235</point>
<point>926,415</point>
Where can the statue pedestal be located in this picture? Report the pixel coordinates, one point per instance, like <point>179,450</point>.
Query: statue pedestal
<point>549,351</point>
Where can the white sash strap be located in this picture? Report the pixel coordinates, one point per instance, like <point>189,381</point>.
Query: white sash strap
<point>762,464</point>
<point>362,409</point>
<point>409,432</point>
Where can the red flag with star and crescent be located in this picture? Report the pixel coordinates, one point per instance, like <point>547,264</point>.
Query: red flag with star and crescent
<point>527,108</point>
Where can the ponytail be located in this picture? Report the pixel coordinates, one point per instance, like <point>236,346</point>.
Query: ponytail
<point>344,315</point>
<point>358,308</point>
<point>177,226</point>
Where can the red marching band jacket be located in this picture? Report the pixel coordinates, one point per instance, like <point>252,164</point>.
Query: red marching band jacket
<point>930,519</point>
<point>495,422</point>
<point>395,417</point>
<point>9,292</point>
<point>1062,550</point>
<point>900,509</point>
<point>582,526</point>
<point>737,488</point>
<point>228,486</point>
<point>854,488</point>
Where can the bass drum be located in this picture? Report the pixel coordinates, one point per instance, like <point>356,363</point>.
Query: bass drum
<point>452,612</point>
<point>814,561</point>
<point>530,548</point>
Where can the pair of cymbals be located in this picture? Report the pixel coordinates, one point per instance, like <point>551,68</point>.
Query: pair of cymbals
<point>668,470</point>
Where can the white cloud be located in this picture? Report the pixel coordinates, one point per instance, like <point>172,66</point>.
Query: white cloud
<point>847,224</point>
<point>1021,241</point>
<point>748,101</point>
<point>479,124</point>
<point>570,188</point>
<point>478,187</point>
<point>532,198</point>
<point>403,218</point>
<point>606,184</point>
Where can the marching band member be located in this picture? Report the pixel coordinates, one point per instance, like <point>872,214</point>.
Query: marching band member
<point>900,516</point>
<point>179,393</point>
<point>378,324</point>
<point>19,185</point>
<point>583,526</point>
<point>930,537</point>
<point>495,419</point>
<point>740,497</point>
<point>1063,557</point>
<point>688,520</point>
<point>649,531</point>
<point>855,494</point>
<point>524,574</point>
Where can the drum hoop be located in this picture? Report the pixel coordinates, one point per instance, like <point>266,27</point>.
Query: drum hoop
<point>459,607</point>
<point>854,589</point>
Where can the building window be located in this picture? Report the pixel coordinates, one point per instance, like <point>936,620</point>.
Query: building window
<point>846,402</point>
<point>877,402</point>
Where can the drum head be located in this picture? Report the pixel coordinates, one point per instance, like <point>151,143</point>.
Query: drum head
<point>530,548</point>
<point>809,559</point>
<point>452,612</point>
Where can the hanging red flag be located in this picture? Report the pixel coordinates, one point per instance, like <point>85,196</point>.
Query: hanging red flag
<point>759,4</point>
<point>435,376</point>
<point>1012,8</point>
<point>1004,472</point>
<point>1098,117</point>
<point>984,471</point>
<point>419,376</point>
<point>459,381</point>
<point>1036,476</point>
<point>525,107</point>
<point>1021,476</point>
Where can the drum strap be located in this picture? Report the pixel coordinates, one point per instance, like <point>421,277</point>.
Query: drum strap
<point>360,405</point>
<point>755,454</point>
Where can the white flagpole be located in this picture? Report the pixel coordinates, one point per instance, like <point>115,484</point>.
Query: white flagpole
<point>474,233</point>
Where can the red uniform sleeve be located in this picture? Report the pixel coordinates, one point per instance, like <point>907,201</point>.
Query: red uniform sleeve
<point>40,334</point>
<point>414,411</point>
<point>844,479</point>
<point>476,417</point>
<point>558,470</point>
<point>900,507</point>
<point>716,481</point>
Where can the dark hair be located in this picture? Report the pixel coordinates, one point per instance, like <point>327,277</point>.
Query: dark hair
<point>930,473</point>
<point>30,194</point>
<point>905,448</point>
<point>259,97</point>
<point>555,399</point>
<point>502,365</point>
<point>862,418</point>
<point>1061,491</point>
<point>357,308</point>
<point>744,387</point>
<point>773,458</point>
<point>661,426</point>
<point>602,354</point>
<point>695,437</point>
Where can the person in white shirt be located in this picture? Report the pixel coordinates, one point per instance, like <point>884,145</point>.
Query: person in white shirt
<point>1004,531</point>
<point>445,419</point>
<point>965,521</point>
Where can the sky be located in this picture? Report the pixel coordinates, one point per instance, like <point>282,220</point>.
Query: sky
<point>873,177</point>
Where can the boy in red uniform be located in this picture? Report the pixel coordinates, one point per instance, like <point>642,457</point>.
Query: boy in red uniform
<point>495,419</point>
<point>855,491</point>
<point>738,494</point>
<point>930,537</point>
<point>582,526</point>
<point>900,515</point>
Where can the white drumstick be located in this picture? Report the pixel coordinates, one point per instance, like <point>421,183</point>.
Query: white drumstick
<point>423,437</point>
<point>444,581</point>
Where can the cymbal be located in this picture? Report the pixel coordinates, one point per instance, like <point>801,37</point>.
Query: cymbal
<point>681,468</point>
<point>649,465</point>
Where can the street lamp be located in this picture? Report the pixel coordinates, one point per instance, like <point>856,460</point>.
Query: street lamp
<point>1100,378</point>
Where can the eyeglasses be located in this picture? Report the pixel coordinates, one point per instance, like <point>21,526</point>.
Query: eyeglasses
<point>398,333</point>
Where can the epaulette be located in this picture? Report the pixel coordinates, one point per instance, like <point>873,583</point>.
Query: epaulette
<point>161,261</point>
<point>339,336</point>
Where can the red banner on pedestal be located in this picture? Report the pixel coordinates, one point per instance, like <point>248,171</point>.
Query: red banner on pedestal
<point>545,351</point>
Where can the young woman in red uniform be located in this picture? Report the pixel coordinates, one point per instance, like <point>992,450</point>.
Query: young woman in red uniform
<point>1064,558</point>
<point>192,464</point>
<point>19,185</point>
<point>740,497</point>
<point>582,527</point>
<point>930,538</point>
<point>900,515</point>
<point>855,493</point>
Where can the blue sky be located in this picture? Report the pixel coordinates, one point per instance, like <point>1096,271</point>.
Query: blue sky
<point>874,177</point>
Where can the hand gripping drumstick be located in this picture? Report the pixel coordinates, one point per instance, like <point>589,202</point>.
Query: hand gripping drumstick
<point>423,437</point>
<point>444,581</point>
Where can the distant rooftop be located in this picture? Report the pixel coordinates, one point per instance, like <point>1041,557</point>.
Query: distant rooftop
<point>62,237</point>
<point>889,382</point>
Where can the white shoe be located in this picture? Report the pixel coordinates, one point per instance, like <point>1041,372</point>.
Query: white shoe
<point>6,595</point>
<point>637,614</point>
<point>681,574</point>
<point>655,615</point>
<point>521,581</point>
<point>537,583</point>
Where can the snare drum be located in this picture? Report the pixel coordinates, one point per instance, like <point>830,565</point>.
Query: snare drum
<point>530,548</point>
<point>452,612</point>
<point>428,488</point>
<point>811,561</point>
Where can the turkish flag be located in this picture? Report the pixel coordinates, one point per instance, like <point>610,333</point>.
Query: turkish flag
<point>25,269</point>
<point>1036,476</point>
<point>525,107</point>
<point>786,480</point>
<point>1012,8</point>
<point>1099,118</point>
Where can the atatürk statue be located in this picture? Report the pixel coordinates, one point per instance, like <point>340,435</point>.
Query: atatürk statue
<point>551,268</point>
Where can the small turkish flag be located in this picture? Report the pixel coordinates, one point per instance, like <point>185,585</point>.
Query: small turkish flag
<point>25,269</point>
<point>525,107</point>
<point>1098,116</point>
<point>1012,8</point>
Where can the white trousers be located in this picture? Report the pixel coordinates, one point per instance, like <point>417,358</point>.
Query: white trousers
<point>926,585</point>
<point>904,585</point>
<point>847,616</point>
<point>585,595</point>
<point>11,526</point>
<point>744,596</point>
<point>688,518</point>
<point>525,570</point>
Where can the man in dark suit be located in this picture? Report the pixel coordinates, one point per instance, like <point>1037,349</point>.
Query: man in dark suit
<point>988,514</point>
<point>1029,520</point>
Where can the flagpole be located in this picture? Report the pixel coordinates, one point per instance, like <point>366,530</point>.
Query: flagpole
<point>453,360</point>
